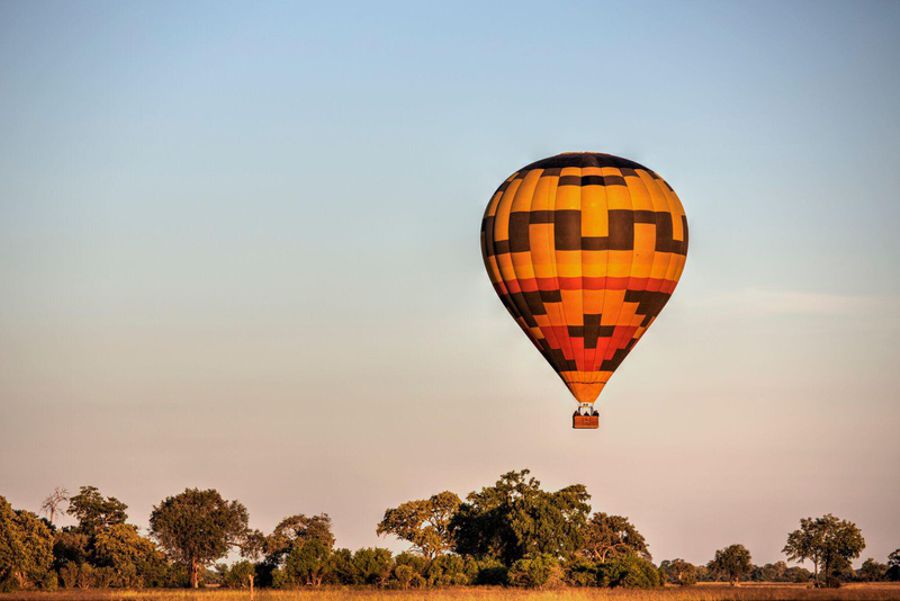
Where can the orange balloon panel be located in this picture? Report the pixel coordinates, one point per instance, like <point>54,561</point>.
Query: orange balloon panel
<point>584,250</point>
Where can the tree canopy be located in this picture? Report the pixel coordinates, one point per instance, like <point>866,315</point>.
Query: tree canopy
<point>515,517</point>
<point>198,527</point>
<point>423,522</point>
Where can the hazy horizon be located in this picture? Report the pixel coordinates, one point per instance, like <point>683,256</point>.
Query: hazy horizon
<point>240,250</point>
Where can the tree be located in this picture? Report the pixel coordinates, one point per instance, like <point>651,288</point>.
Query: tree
<point>308,562</point>
<point>630,571</point>
<point>515,518</point>
<point>198,527</point>
<point>893,566</point>
<point>94,511</point>
<point>678,571</point>
<point>731,563</point>
<point>132,560</point>
<point>612,535</point>
<point>51,504</point>
<point>424,522</point>
<point>26,549</point>
<point>373,565</point>
<point>298,528</point>
<point>830,543</point>
<point>872,571</point>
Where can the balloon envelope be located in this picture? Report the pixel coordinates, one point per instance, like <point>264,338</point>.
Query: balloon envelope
<point>584,250</point>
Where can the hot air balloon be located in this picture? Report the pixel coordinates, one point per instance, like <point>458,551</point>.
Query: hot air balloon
<point>584,249</point>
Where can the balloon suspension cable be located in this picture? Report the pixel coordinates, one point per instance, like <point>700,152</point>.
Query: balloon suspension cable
<point>586,409</point>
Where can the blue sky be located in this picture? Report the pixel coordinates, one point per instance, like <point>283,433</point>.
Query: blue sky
<point>222,225</point>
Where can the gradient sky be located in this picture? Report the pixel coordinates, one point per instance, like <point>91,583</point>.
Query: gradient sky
<point>239,249</point>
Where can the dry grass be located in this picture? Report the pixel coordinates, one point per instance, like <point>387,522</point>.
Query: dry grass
<point>707,592</point>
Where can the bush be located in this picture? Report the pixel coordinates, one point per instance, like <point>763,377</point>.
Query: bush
<point>580,572</point>
<point>491,572</point>
<point>447,570</point>
<point>629,571</point>
<point>537,571</point>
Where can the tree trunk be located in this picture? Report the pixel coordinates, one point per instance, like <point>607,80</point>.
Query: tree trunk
<point>250,577</point>
<point>195,573</point>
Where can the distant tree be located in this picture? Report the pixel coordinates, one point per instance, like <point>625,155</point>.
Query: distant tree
<point>95,512</point>
<point>132,560</point>
<point>872,571</point>
<point>424,522</point>
<point>770,572</point>
<point>373,565</point>
<point>197,527</point>
<point>678,571</point>
<point>308,562</point>
<point>515,517</point>
<point>341,569</point>
<point>607,536</point>
<point>296,528</point>
<point>239,575</point>
<point>732,564</point>
<point>893,566</point>
<point>797,574</point>
<point>830,543</point>
<point>26,549</point>
<point>51,504</point>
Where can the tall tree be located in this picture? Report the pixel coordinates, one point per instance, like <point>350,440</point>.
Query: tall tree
<point>198,527</point>
<point>829,542</point>
<point>51,504</point>
<point>26,548</point>
<point>515,518</point>
<point>607,536</point>
<point>95,512</point>
<point>731,563</point>
<point>423,522</point>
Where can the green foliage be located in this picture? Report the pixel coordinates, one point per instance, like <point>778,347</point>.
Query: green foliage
<point>132,560</point>
<point>198,527</point>
<point>872,571</point>
<point>830,543</point>
<point>608,536</point>
<point>732,564</point>
<point>447,570</point>
<point>538,571</point>
<point>26,549</point>
<point>678,571</point>
<point>628,571</point>
<point>307,563</point>
<point>491,571</point>
<point>340,568</point>
<point>238,574</point>
<point>580,571</point>
<point>372,565</point>
<point>95,512</point>
<point>296,528</point>
<point>424,522</point>
<point>515,518</point>
<point>893,566</point>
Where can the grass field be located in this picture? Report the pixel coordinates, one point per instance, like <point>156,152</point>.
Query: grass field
<point>711,592</point>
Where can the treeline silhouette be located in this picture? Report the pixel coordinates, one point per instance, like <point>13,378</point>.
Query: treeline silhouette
<point>512,533</point>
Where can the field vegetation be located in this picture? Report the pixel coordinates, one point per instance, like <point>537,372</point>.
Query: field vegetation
<point>503,539</point>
